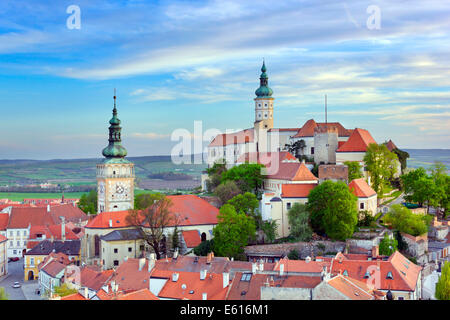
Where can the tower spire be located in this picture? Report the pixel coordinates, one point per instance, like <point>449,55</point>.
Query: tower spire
<point>114,148</point>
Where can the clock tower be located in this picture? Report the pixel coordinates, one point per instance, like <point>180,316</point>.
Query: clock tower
<point>115,175</point>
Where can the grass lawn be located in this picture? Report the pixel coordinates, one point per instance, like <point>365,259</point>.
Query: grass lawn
<point>17,196</point>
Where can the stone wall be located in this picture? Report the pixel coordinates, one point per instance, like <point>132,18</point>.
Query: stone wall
<point>275,293</point>
<point>417,247</point>
<point>438,233</point>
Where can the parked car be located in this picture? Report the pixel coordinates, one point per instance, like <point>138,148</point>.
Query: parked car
<point>16,285</point>
<point>13,259</point>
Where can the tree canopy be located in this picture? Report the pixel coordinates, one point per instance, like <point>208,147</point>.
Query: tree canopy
<point>88,202</point>
<point>232,233</point>
<point>226,191</point>
<point>388,245</point>
<point>381,164</point>
<point>298,218</point>
<point>443,285</point>
<point>248,177</point>
<point>403,220</point>
<point>354,170</point>
<point>333,210</point>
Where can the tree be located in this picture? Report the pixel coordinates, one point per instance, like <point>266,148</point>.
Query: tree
<point>365,218</point>
<point>333,209</point>
<point>248,177</point>
<point>3,294</point>
<point>270,230</point>
<point>441,195</point>
<point>247,203</point>
<point>443,285</point>
<point>388,245</point>
<point>402,156</point>
<point>226,191</point>
<point>175,239</point>
<point>88,202</point>
<point>232,233</point>
<point>296,149</point>
<point>293,255</point>
<point>403,220</point>
<point>215,174</point>
<point>381,164</point>
<point>204,248</point>
<point>354,170</point>
<point>63,290</point>
<point>145,200</point>
<point>299,222</point>
<point>153,221</point>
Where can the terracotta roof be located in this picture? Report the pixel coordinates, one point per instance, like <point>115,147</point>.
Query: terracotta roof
<point>283,129</point>
<point>308,129</point>
<point>3,238</point>
<point>94,280</point>
<point>21,218</point>
<point>143,294</point>
<point>293,172</point>
<point>128,276</point>
<point>212,285</point>
<point>53,268</point>
<point>296,190</point>
<point>4,220</point>
<point>299,266</point>
<point>358,141</point>
<point>191,238</point>
<point>351,288</point>
<point>391,145</point>
<point>361,189</point>
<point>74,296</point>
<point>49,231</point>
<point>405,274</point>
<point>70,212</point>
<point>244,136</point>
<point>190,209</point>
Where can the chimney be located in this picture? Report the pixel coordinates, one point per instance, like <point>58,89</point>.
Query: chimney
<point>175,254</point>
<point>48,208</point>
<point>113,285</point>
<point>261,266</point>
<point>226,279</point>
<point>203,274</point>
<point>254,268</point>
<point>63,229</point>
<point>375,251</point>
<point>308,259</point>
<point>126,258</point>
<point>110,223</point>
<point>175,277</point>
<point>151,265</point>
<point>281,269</point>
<point>208,258</point>
<point>141,263</point>
<point>204,296</point>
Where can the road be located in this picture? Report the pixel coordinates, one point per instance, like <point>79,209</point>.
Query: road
<point>15,273</point>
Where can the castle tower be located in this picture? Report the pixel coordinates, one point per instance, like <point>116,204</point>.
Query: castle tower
<point>325,144</point>
<point>264,102</point>
<point>115,175</point>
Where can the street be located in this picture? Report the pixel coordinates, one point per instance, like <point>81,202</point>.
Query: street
<point>15,273</point>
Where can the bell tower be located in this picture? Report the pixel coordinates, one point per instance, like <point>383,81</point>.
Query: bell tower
<point>264,102</point>
<point>115,175</point>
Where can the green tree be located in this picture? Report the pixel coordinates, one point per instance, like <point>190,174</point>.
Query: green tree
<point>354,170</point>
<point>248,177</point>
<point>247,203</point>
<point>232,233</point>
<point>215,174</point>
<point>333,210</point>
<point>88,202</point>
<point>299,222</point>
<point>443,285</point>
<point>296,148</point>
<point>381,164</point>
<point>402,157</point>
<point>64,290</point>
<point>226,191</point>
<point>365,218</point>
<point>204,248</point>
<point>145,200</point>
<point>270,230</point>
<point>293,255</point>
<point>403,220</point>
<point>441,195</point>
<point>176,238</point>
<point>3,294</point>
<point>388,245</point>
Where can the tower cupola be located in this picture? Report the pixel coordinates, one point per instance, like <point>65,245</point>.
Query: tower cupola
<point>114,148</point>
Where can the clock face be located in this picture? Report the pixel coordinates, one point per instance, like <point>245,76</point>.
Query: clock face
<point>120,190</point>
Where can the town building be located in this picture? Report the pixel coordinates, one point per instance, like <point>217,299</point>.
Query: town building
<point>367,197</point>
<point>51,273</point>
<point>3,256</point>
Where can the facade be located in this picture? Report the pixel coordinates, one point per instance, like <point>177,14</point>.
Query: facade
<point>120,245</point>
<point>367,197</point>
<point>3,256</point>
<point>115,175</point>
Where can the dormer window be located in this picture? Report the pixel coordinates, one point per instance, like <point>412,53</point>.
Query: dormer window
<point>389,276</point>
<point>366,275</point>
<point>345,273</point>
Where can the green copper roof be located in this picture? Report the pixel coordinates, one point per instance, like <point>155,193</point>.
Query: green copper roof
<point>264,90</point>
<point>114,149</point>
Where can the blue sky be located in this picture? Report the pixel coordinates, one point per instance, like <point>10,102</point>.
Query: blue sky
<point>176,62</point>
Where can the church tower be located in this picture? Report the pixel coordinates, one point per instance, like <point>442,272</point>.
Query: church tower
<point>264,102</point>
<point>115,175</point>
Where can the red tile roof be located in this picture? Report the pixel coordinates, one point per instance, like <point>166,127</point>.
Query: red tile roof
<point>143,294</point>
<point>212,285</point>
<point>101,220</point>
<point>70,212</point>
<point>361,189</point>
<point>391,145</point>
<point>358,141</point>
<point>3,238</point>
<point>74,296</point>
<point>296,190</point>
<point>53,268</point>
<point>191,238</point>
<point>308,129</point>
<point>292,172</point>
<point>21,218</point>
<point>299,266</point>
<point>4,220</point>
<point>405,273</point>
<point>244,136</point>
<point>128,276</point>
<point>351,288</point>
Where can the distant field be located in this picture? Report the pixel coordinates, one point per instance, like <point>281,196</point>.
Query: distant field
<point>16,196</point>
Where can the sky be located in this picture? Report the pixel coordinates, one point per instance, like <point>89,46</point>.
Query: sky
<point>384,66</point>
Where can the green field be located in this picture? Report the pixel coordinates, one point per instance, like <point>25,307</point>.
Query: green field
<point>16,196</point>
